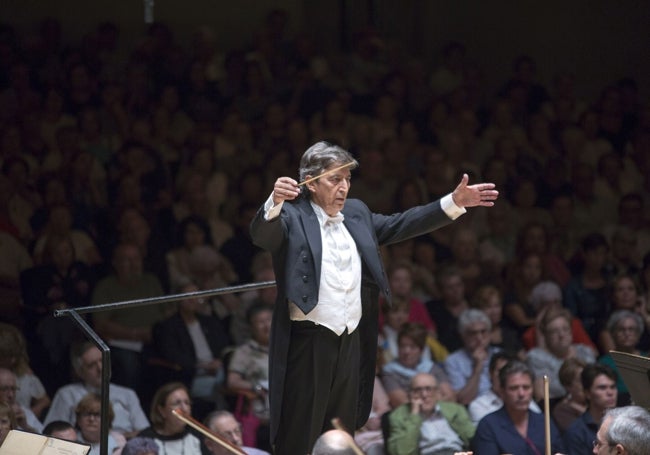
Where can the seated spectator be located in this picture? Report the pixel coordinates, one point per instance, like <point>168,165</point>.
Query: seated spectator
<point>626,429</point>
<point>248,369</point>
<point>445,311</point>
<point>427,425</point>
<point>60,282</point>
<point>172,435</point>
<point>587,294</point>
<point>25,418</point>
<point>573,404</point>
<point>514,428</point>
<point>128,329</point>
<point>468,367</point>
<point>625,328</point>
<point>86,361</point>
<point>194,342</point>
<point>626,295</point>
<point>89,420</point>
<point>224,425</point>
<point>14,357</point>
<point>521,277</point>
<point>395,316</point>
<point>400,277</point>
<point>7,421</point>
<point>60,429</point>
<point>370,436</point>
<point>599,385</point>
<point>558,341</point>
<point>140,446</point>
<point>14,259</point>
<point>334,442</point>
<point>502,335</point>
<point>240,330</point>
<point>397,375</point>
<point>492,400</point>
<point>546,295</point>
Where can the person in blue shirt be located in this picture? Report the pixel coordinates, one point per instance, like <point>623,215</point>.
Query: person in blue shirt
<point>514,428</point>
<point>599,384</point>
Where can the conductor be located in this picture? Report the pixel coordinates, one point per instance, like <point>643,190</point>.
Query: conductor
<point>329,273</point>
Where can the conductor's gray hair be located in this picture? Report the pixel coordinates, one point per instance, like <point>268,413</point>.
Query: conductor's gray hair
<point>321,156</point>
<point>629,426</point>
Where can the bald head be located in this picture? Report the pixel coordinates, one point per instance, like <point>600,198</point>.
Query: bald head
<point>334,442</point>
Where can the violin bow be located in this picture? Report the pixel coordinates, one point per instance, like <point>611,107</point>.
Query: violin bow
<point>198,426</point>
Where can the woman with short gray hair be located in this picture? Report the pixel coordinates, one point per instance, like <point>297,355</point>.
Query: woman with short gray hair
<point>625,327</point>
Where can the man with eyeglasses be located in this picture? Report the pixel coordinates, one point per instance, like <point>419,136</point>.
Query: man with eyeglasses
<point>427,426</point>
<point>468,367</point>
<point>224,425</point>
<point>599,385</point>
<point>624,431</point>
<point>24,416</point>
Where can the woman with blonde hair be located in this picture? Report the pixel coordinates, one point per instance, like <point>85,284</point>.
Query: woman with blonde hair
<point>7,421</point>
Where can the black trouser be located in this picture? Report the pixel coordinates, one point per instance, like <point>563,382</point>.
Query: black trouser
<point>322,382</point>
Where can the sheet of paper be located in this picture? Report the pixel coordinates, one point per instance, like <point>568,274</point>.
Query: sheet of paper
<point>24,443</point>
<point>635,371</point>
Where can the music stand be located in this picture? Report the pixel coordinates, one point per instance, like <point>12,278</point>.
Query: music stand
<point>635,372</point>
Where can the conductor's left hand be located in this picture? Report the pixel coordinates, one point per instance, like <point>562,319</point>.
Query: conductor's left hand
<point>479,194</point>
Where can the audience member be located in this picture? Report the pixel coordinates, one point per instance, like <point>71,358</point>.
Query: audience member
<point>194,342</point>
<point>224,425</point>
<point>625,328</point>
<point>248,369</point>
<point>397,374</point>
<point>128,329</point>
<point>61,429</point>
<point>599,385</point>
<point>7,421</point>
<point>572,405</point>
<point>14,357</point>
<point>468,367</point>
<point>514,428</point>
<point>172,435</point>
<point>86,361</point>
<point>492,400</point>
<point>445,312</point>
<point>89,421</point>
<point>426,424</point>
<point>556,329</point>
<point>140,446</point>
<point>25,418</point>
<point>524,274</point>
<point>626,429</point>
<point>487,298</point>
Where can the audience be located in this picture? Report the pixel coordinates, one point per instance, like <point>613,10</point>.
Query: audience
<point>574,403</point>
<point>224,425</point>
<point>107,152</point>
<point>7,421</point>
<point>89,421</point>
<point>23,415</point>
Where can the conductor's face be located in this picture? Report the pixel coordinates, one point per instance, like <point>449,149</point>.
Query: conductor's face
<point>330,191</point>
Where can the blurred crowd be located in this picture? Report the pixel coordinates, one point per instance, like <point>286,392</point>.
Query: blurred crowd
<point>130,172</point>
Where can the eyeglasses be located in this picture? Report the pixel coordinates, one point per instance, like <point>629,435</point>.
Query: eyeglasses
<point>9,388</point>
<point>425,389</point>
<point>90,415</point>
<point>597,444</point>
<point>473,333</point>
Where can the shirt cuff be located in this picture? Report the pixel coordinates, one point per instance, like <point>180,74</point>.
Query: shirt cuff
<point>272,211</point>
<point>449,207</point>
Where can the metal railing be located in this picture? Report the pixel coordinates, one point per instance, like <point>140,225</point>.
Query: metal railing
<point>75,313</point>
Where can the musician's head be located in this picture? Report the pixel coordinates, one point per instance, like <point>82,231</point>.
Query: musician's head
<point>331,190</point>
<point>334,442</point>
<point>624,431</point>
